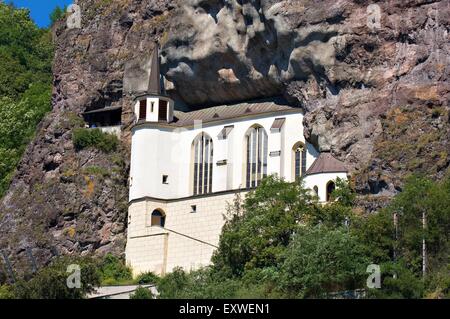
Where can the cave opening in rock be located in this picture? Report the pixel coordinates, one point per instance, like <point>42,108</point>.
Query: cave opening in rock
<point>106,117</point>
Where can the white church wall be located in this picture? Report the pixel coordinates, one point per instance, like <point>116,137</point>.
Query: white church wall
<point>151,159</point>
<point>158,151</point>
<point>220,172</point>
<point>274,144</point>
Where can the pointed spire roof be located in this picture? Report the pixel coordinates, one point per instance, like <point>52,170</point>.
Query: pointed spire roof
<point>154,85</point>
<point>326,163</point>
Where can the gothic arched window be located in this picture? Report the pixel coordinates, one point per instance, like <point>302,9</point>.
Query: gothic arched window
<point>256,161</point>
<point>203,164</point>
<point>316,190</point>
<point>299,159</point>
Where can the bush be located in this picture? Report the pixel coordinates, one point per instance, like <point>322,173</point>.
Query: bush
<point>6,292</point>
<point>200,284</point>
<point>114,271</point>
<point>173,285</point>
<point>83,138</point>
<point>142,293</point>
<point>147,278</point>
<point>51,282</point>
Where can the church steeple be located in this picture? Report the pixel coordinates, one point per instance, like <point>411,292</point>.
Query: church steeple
<point>154,106</point>
<point>154,85</point>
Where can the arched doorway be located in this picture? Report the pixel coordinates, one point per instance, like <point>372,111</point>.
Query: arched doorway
<point>331,186</point>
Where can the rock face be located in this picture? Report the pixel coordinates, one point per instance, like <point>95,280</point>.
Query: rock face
<point>64,201</point>
<point>372,80</point>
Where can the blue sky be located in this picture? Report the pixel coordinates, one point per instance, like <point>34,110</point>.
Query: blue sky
<point>40,9</point>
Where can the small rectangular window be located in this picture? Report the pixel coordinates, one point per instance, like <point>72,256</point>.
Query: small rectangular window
<point>143,109</point>
<point>162,116</point>
<point>193,208</point>
<point>165,179</point>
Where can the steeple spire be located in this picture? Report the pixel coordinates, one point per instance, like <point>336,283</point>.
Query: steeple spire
<point>154,85</point>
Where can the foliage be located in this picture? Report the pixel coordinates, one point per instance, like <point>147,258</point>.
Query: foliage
<point>142,293</point>
<point>173,285</point>
<point>438,283</point>
<point>26,54</point>
<point>83,138</point>
<point>272,214</point>
<point>398,281</point>
<point>57,14</point>
<point>114,271</point>
<point>199,284</point>
<point>321,260</point>
<point>279,243</point>
<point>343,193</point>
<point>51,282</point>
<point>421,196</point>
<point>259,254</point>
<point>400,251</point>
<point>377,232</point>
<point>147,278</point>
<point>6,292</point>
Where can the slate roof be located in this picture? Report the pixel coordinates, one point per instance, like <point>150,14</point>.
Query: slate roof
<point>326,163</point>
<point>224,112</point>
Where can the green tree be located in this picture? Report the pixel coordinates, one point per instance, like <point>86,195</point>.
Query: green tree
<point>258,231</point>
<point>320,261</point>
<point>398,282</point>
<point>26,54</point>
<point>51,282</point>
<point>422,196</point>
<point>174,285</point>
<point>57,14</point>
<point>343,193</point>
<point>399,249</point>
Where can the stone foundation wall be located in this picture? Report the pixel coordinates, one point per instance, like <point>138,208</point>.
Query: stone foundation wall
<point>188,239</point>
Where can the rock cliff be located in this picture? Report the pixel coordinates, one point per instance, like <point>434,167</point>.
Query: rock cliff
<point>371,78</point>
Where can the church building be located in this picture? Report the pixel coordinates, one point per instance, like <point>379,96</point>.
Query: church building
<point>187,167</point>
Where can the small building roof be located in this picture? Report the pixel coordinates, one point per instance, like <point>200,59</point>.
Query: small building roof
<point>326,163</point>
